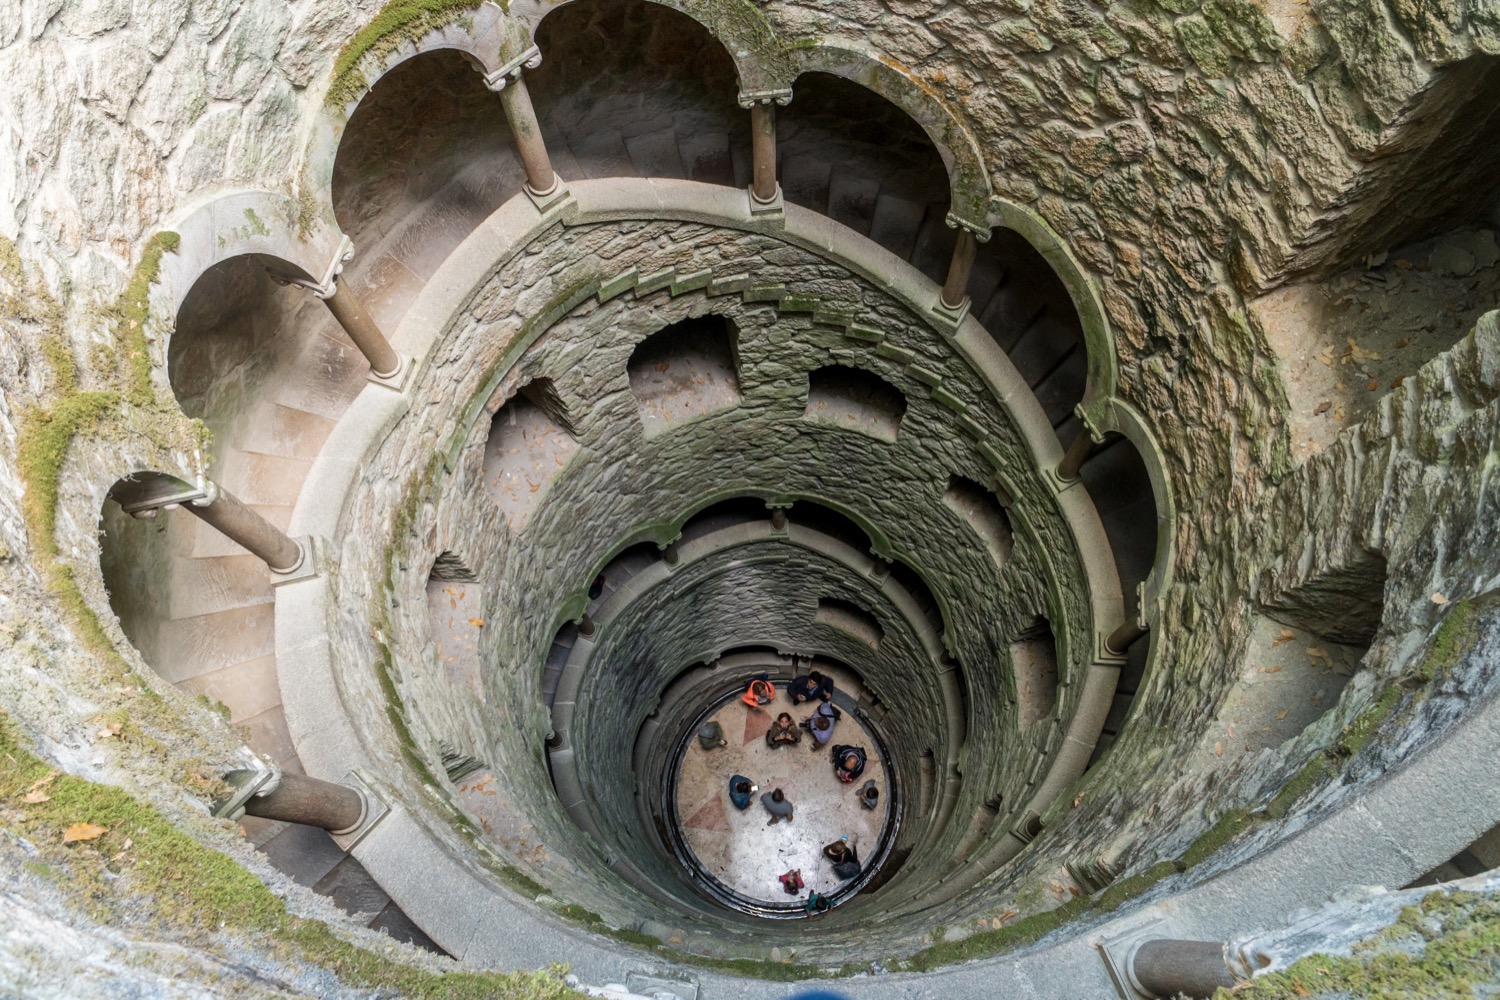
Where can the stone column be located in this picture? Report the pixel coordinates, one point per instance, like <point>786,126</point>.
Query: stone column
<point>223,511</point>
<point>1078,453</point>
<point>959,267</point>
<point>764,190</point>
<point>351,315</point>
<point>1164,967</point>
<point>296,798</point>
<point>763,151</point>
<point>1121,639</point>
<point>509,82</point>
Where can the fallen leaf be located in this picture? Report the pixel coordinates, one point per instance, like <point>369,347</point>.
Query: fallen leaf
<point>1372,385</point>
<point>1282,714</point>
<point>1286,635</point>
<point>111,730</point>
<point>1439,598</point>
<point>1402,342</point>
<point>32,798</point>
<point>1231,730</point>
<point>1322,408</point>
<point>1397,381</point>
<point>1272,670</point>
<point>1219,748</point>
<point>1316,653</point>
<point>83,831</point>
<point>1079,799</point>
<point>477,622</point>
<point>40,782</point>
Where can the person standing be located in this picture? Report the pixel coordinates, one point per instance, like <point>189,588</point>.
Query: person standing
<point>848,762</point>
<point>820,724</point>
<point>814,686</point>
<point>778,805</point>
<point>783,732</point>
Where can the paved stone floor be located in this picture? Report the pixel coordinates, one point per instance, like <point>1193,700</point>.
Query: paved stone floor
<point>738,848</point>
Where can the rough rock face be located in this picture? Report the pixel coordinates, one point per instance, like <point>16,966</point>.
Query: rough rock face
<point>1193,155</point>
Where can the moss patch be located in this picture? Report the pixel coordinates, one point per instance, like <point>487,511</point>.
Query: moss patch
<point>398,21</point>
<point>1448,945</point>
<point>142,864</point>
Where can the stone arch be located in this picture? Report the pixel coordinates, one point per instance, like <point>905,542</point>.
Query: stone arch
<point>257,223</point>
<point>1098,338</point>
<point>747,37</point>
<point>968,178</point>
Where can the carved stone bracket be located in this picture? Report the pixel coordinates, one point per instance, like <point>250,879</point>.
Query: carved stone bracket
<point>500,78</point>
<point>750,98</point>
<point>981,231</point>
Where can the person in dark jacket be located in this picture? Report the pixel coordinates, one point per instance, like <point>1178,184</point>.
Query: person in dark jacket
<point>848,762</point>
<point>740,790</point>
<point>869,795</point>
<point>711,736</point>
<point>845,857</point>
<point>814,685</point>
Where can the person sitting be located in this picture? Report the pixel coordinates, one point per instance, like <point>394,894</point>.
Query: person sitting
<point>869,795</point>
<point>820,724</point>
<point>848,762</point>
<point>844,856</point>
<point>791,882</point>
<point>711,736</point>
<point>816,903</point>
<point>782,732</point>
<point>814,685</point>
<point>740,790</point>
<point>760,692</point>
<point>778,805</point>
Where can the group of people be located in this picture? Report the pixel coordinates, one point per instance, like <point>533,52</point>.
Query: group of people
<point>849,763</point>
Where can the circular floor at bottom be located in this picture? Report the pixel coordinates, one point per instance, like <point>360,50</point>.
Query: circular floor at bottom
<point>738,848</point>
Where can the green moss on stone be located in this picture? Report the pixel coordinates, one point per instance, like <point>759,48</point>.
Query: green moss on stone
<point>131,312</point>
<point>1448,945</point>
<point>1126,889</point>
<point>142,865</point>
<point>397,22</point>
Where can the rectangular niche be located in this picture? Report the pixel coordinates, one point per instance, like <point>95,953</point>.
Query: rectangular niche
<point>850,618</point>
<point>685,371</point>
<point>530,442</point>
<point>983,512</point>
<point>1033,657</point>
<point>455,618</point>
<point>855,400</point>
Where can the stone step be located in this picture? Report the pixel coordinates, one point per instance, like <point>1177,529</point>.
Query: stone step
<point>191,647</point>
<point>247,689</point>
<point>601,154</point>
<point>220,583</point>
<point>852,200</point>
<point>273,429</point>
<point>896,223</point>
<point>262,480</point>
<point>804,181</point>
<point>707,157</point>
<point>655,154</point>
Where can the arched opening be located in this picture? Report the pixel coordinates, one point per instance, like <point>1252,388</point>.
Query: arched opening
<point>456,617</point>
<point>529,444</point>
<point>850,618</point>
<point>1026,309</point>
<point>425,157</point>
<point>1120,486</point>
<point>856,400</point>
<point>983,512</point>
<point>850,154</point>
<point>827,521</point>
<point>724,514</point>
<point>1033,658</point>
<point>635,89</point>
<point>687,370</point>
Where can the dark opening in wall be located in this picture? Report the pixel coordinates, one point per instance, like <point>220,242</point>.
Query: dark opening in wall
<point>1131,675</point>
<point>686,370</point>
<point>851,618</point>
<point>856,400</point>
<point>847,152</point>
<point>911,581</point>
<point>628,88</point>
<point>981,510</point>
<point>1482,855</point>
<point>557,658</point>
<point>724,514</point>
<point>1033,657</point>
<point>425,158</point>
<point>1026,309</point>
<point>1343,604</point>
<point>827,521</point>
<point>1116,478</point>
<point>455,618</point>
<point>528,445</point>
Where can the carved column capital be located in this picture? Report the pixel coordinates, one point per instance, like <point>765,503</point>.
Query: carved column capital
<point>750,98</point>
<point>498,79</point>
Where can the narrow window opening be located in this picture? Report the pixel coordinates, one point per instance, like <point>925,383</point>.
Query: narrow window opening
<point>1033,657</point>
<point>983,512</point>
<point>855,400</point>
<point>850,618</point>
<point>684,371</point>
<point>529,444</point>
<point>455,618</point>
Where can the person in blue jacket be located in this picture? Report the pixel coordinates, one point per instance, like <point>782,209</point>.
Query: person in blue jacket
<point>740,790</point>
